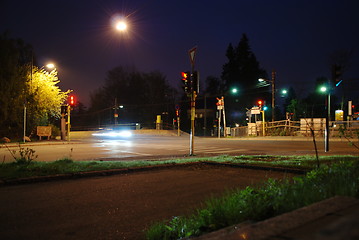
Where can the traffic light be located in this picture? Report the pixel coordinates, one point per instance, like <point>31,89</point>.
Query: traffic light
<point>337,74</point>
<point>64,110</point>
<point>72,100</point>
<point>195,81</point>
<point>186,80</point>
<point>260,103</point>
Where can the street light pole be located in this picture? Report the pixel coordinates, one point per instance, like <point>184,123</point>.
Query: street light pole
<point>327,120</point>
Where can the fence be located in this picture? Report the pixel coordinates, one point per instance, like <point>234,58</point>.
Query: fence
<point>298,128</point>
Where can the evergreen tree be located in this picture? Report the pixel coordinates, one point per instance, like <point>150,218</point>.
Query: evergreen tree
<point>242,72</point>
<point>214,86</point>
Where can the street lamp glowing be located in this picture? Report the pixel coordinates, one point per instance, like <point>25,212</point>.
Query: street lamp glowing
<point>121,26</point>
<point>234,90</point>
<point>323,89</point>
<point>284,91</point>
<point>50,65</point>
<point>261,80</point>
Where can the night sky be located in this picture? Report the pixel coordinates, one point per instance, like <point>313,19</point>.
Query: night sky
<point>294,37</point>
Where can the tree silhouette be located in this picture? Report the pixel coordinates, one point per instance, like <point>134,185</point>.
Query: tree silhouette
<point>143,95</point>
<point>242,72</point>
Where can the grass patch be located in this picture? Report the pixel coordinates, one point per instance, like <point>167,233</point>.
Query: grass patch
<point>254,204</point>
<point>21,169</point>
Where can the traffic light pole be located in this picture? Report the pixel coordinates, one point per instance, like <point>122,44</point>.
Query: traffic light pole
<point>194,88</point>
<point>68,122</point>
<point>193,115</point>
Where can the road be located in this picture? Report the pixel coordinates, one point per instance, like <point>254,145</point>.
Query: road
<point>154,147</point>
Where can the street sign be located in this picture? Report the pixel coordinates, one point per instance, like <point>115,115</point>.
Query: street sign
<point>192,55</point>
<point>255,110</point>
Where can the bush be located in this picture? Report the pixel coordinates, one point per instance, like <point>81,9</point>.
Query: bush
<point>55,131</point>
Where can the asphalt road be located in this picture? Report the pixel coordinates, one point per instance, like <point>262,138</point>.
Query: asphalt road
<point>154,147</point>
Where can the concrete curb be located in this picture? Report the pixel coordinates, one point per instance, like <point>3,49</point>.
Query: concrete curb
<point>296,224</point>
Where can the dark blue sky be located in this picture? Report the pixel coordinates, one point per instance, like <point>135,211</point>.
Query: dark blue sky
<point>294,37</point>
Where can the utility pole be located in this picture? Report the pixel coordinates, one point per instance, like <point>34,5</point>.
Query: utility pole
<point>273,94</point>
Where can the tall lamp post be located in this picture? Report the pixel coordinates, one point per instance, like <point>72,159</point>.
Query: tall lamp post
<point>326,90</point>
<point>272,82</point>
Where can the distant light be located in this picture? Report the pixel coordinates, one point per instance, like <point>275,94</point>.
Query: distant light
<point>323,89</point>
<point>261,80</point>
<point>284,91</point>
<point>123,133</point>
<point>265,108</point>
<point>121,26</point>
<point>234,90</point>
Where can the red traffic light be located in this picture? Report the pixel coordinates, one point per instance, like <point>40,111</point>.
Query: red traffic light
<point>260,103</point>
<point>72,100</point>
<point>185,76</point>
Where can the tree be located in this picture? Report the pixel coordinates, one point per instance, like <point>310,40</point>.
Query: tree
<point>288,97</point>
<point>315,102</point>
<point>12,84</point>
<point>242,72</point>
<point>143,95</point>
<point>22,85</point>
<point>214,86</point>
<point>44,96</point>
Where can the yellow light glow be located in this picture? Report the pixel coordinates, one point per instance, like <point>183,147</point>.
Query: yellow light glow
<point>50,65</point>
<point>121,26</point>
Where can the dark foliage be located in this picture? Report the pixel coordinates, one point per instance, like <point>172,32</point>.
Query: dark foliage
<point>142,95</point>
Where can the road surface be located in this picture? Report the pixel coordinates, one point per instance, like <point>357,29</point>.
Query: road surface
<point>155,147</point>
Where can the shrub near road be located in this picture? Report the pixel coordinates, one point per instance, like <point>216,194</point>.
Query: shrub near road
<point>255,204</point>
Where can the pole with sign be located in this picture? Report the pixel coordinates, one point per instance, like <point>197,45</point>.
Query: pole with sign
<point>178,120</point>
<point>192,55</point>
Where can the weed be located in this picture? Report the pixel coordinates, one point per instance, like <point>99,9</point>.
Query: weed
<point>25,155</point>
<point>342,133</point>
<point>256,204</point>
<point>65,161</point>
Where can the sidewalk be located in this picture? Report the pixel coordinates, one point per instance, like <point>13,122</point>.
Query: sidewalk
<point>332,219</point>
